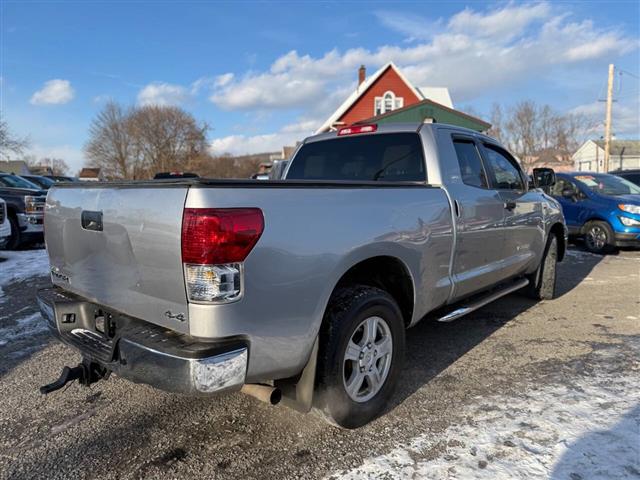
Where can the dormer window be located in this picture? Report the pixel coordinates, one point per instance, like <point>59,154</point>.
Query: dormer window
<point>387,103</point>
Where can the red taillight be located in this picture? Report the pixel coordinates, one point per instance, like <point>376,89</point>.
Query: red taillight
<point>219,235</point>
<point>357,129</point>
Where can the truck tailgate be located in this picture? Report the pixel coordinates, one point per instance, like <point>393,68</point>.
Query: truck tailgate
<point>120,247</point>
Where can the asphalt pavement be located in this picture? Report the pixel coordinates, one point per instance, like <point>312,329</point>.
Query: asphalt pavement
<point>517,389</point>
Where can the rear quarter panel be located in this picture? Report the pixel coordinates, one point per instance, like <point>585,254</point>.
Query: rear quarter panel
<point>312,236</point>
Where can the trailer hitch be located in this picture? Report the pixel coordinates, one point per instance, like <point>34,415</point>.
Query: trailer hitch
<point>86,373</point>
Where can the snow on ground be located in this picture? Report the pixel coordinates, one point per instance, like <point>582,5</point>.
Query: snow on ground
<point>20,265</point>
<point>587,430</point>
<point>23,332</point>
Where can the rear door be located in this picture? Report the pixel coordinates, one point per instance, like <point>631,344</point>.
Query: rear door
<point>524,230</point>
<point>479,211</point>
<point>120,247</point>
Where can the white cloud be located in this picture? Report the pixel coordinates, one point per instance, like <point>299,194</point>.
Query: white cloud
<point>54,92</point>
<point>271,142</point>
<point>625,117</point>
<point>163,94</point>
<point>224,79</point>
<point>472,52</point>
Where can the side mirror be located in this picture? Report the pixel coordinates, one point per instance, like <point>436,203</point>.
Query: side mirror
<point>544,177</point>
<point>569,193</point>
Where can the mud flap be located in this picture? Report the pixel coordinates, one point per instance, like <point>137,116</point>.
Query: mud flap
<point>298,393</point>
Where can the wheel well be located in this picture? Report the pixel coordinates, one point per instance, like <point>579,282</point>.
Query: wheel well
<point>389,274</point>
<point>558,231</point>
<point>592,219</point>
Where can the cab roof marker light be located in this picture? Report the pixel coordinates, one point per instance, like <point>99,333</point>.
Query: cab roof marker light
<point>355,129</point>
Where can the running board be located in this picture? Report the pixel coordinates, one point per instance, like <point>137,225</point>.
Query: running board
<point>482,301</point>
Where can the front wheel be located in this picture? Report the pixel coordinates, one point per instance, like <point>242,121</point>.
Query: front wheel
<point>361,351</point>
<point>598,237</point>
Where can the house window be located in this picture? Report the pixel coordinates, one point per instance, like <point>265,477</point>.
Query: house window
<point>387,103</point>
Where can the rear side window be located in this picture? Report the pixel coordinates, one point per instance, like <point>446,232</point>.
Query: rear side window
<point>470,164</point>
<point>381,157</point>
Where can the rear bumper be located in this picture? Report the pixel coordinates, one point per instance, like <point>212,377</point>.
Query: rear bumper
<point>142,352</point>
<point>624,239</point>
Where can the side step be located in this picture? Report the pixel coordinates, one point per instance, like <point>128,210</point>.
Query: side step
<point>484,300</point>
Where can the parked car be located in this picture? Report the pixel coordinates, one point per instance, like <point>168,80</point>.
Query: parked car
<point>631,175</point>
<point>25,204</point>
<point>603,209</point>
<point>167,175</point>
<point>278,169</point>
<point>5,226</point>
<point>62,178</point>
<point>304,287</point>
<point>42,182</point>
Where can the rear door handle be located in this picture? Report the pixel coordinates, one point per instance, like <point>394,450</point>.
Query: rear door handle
<point>510,205</point>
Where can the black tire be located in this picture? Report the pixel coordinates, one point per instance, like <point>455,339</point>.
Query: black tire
<point>542,283</point>
<point>599,237</point>
<point>349,308</point>
<point>15,239</point>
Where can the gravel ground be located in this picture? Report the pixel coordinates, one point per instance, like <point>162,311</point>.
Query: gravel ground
<point>515,390</point>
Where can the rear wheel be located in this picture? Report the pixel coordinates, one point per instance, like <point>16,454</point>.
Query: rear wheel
<point>361,350</point>
<point>598,237</point>
<point>542,283</point>
<point>15,239</point>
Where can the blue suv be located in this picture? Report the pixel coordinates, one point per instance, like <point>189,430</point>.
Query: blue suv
<point>603,209</point>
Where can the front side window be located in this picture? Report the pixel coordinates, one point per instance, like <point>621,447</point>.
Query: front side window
<point>506,175</point>
<point>377,157</point>
<point>471,168</point>
<point>561,185</point>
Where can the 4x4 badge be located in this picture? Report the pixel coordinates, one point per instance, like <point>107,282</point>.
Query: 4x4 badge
<point>177,316</point>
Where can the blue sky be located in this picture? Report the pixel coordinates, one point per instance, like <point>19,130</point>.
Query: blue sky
<point>265,74</point>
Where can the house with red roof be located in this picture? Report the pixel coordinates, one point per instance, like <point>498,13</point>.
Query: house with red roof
<point>388,96</point>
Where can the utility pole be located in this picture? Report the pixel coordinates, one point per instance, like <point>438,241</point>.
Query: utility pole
<point>607,124</point>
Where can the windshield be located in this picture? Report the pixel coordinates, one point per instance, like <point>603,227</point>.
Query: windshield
<point>42,181</point>
<point>380,157</point>
<point>17,182</point>
<point>607,184</point>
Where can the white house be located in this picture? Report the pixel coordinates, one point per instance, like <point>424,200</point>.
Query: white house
<point>623,155</point>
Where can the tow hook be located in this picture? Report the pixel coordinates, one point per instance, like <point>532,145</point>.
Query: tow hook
<point>86,373</point>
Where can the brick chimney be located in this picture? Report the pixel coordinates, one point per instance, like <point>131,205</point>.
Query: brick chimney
<point>362,74</point>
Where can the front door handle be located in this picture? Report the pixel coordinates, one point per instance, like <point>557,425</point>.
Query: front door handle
<point>510,205</point>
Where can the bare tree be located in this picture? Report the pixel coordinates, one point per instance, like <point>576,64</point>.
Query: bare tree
<point>110,143</point>
<point>497,123</point>
<point>522,131</point>
<point>166,138</point>
<point>57,165</point>
<point>9,143</point>
<point>139,142</point>
<point>532,131</point>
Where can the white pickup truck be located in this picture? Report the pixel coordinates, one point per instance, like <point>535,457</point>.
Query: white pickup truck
<point>301,288</point>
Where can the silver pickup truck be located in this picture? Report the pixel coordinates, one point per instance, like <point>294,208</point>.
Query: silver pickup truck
<point>299,289</point>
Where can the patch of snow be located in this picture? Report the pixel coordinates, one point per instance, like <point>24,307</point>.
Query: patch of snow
<point>586,430</point>
<point>25,327</point>
<point>20,265</point>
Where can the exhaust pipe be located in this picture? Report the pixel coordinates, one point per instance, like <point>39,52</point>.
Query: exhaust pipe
<point>264,393</point>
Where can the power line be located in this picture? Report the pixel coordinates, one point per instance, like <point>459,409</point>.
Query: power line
<point>628,73</point>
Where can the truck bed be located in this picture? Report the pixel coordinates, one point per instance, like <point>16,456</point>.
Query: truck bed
<point>314,231</point>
